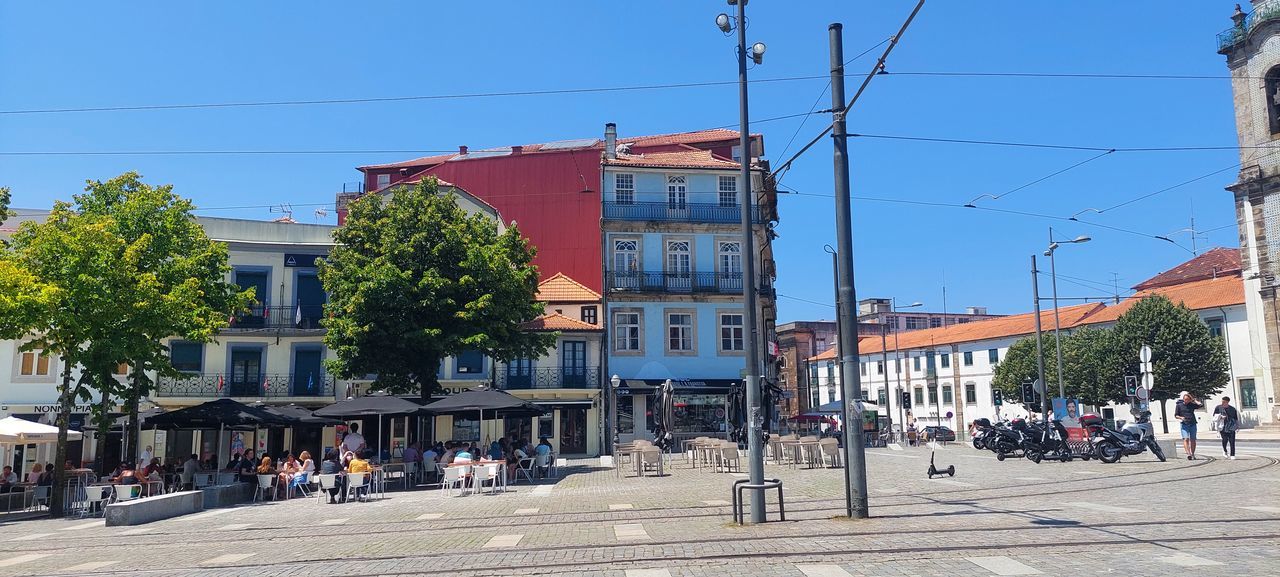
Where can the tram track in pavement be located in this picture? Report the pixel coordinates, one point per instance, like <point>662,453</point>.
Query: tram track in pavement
<point>609,518</point>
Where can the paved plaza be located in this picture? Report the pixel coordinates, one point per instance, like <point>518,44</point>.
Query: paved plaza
<point>1137,517</point>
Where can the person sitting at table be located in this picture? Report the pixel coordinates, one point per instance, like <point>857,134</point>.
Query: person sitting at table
<point>347,458</point>
<point>128,476</point>
<point>412,453</point>
<point>234,463</point>
<point>289,468</point>
<point>247,469</point>
<point>449,453</point>
<point>115,473</point>
<point>305,469</point>
<point>189,470</point>
<point>36,470</point>
<point>462,457</point>
<point>360,464</point>
<point>495,451</point>
<point>332,465</point>
<point>46,478</point>
<point>8,480</point>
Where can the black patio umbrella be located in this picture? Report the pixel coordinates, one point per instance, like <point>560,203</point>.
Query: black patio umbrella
<point>664,415</point>
<point>303,415</point>
<point>220,414</point>
<point>123,420</point>
<point>737,413</point>
<point>368,405</point>
<point>480,401</point>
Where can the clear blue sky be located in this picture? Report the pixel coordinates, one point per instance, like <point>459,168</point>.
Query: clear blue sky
<point>56,55</point>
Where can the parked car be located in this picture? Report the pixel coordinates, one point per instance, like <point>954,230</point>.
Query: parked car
<point>939,433</point>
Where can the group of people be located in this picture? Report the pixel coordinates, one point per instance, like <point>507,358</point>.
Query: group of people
<point>40,476</point>
<point>1226,421</point>
<point>509,450</point>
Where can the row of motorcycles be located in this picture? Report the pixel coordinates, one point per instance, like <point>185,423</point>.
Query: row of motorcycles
<point>1038,440</point>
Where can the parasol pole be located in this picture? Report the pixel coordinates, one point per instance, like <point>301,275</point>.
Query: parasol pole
<point>379,437</point>
<point>217,465</point>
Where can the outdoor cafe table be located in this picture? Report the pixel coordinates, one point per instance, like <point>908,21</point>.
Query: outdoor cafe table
<point>388,468</point>
<point>801,449</point>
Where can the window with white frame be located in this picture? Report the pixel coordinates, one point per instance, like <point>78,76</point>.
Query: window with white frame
<point>934,322</point>
<point>970,394</point>
<point>730,257</point>
<point>679,332</point>
<point>914,323</point>
<point>33,364</point>
<point>677,191</point>
<point>731,332</point>
<point>383,181</point>
<point>679,257</point>
<point>624,188</point>
<point>728,191</point>
<point>626,255</point>
<point>626,331</point>
<point>1215,326</point>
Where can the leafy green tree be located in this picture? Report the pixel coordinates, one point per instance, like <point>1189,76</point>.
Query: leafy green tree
<point>68,274</point>
<point>1019,364</point>
<point>5,199</point>
<point>1184,355</point>
<point>413,279</point>
<point>179,284</point>
<point>1091,367</point>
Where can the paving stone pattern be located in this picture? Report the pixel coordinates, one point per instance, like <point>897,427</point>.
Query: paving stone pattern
<point>1135,518</point>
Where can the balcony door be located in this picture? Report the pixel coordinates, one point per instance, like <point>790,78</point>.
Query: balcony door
<point>573,363</point>
<point>308,374</point>
<point>730,257</point>
<point>626,264</point>
<point>677,193</point>
<point>679,265</point>
<point>246,372</point>
<point>520,374</point>
<point>311,298</point>
<point>256,280</point>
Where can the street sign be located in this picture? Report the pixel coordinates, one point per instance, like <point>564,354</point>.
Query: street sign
<point>1143,394</point>
<point>1145,367</point>
<point>1038,386</point>
<point>1144,354</point>
<point>1148,381</point>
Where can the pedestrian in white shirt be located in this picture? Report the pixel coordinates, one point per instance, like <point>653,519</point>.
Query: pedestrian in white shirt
<point>353,441</point>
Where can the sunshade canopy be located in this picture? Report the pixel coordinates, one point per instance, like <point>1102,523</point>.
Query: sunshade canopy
<point>303,415</point>
<point>226,413</point>
<point>22,431</point>
<point>369,405</point>
<point>838,407</point>
<point>123,420</point>
<point>476,400</point>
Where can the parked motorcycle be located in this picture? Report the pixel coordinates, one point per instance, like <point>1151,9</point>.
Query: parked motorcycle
<point>983,430</point>
<point>1132,438</point>
<point>1047,441</point>
<point>1007,441</point>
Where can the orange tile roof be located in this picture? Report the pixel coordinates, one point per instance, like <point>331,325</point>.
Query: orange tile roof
<point>562,289</point>
<point>1010,326</point>
<point>682,159</point>
<point>1196,295</point>
<point>712,135</point>
<point>558,322</point>
<point>1215,263</point>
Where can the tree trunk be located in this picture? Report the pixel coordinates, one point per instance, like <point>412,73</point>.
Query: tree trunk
<point>1164,416</point>
<point>64,422</point>
<point>104,425</point>
<point>131,407</point>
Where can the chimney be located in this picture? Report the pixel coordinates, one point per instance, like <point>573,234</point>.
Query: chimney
<point>610,141</point>
<point>462,149</point>
<point>517,150</point>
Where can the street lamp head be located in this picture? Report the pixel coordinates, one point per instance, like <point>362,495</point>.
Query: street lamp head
<point>724,23</point>
<point>1083,238</point>
<point>757,52</point>
<point>616,381</point>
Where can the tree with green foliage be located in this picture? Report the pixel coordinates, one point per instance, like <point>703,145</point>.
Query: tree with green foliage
<point>5,199</point>
<point>180,288</point>
<point>1185,356</point>
<point>1019,365</point>
<point>1091,366</point>
<point>414,279</point>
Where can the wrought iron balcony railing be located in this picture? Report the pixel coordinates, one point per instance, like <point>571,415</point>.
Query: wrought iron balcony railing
<point>675,282</point>
<point>549,378</point>
<point>678,212</point>
<point>296,317</point>
<point>263,385</point>
<point>1262,12</point>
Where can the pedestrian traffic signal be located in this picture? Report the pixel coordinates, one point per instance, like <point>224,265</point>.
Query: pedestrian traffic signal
<point>1131,385</point>
<point>996,398</point>
<point>1028,392</point>
<point>906,399</point>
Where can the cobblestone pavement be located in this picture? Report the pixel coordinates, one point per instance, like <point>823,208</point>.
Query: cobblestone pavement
<point>1137,517</point>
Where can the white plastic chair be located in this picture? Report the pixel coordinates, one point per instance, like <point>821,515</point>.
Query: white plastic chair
<point>357,483</point>
<point>266,484</point>
<point>525,467</point>
<point>454,478</point>
<point>483,473</point>
<point>300,482</point>
<point>543,462</point>
<point>95,495</point>
<point>127,492</point>
<point>326,483</point>
<point>42,493</point>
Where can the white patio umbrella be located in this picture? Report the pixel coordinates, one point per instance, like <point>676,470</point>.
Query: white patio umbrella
<point>21,431</point>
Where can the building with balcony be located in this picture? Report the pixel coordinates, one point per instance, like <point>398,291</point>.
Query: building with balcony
<point>673,277</point>
<point>567,380</point>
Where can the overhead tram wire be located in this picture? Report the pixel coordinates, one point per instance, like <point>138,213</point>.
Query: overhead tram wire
<point>818,100</point>
<point>970,204</point>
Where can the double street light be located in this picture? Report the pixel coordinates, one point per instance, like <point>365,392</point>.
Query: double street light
<point>1054,245</point>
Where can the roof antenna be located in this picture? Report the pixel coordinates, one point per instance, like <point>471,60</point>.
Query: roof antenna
<point>284,209</point>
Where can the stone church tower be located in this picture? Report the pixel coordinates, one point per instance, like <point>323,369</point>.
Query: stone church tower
<point>1252,48</point>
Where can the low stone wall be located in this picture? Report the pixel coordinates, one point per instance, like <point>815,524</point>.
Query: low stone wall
<point>227,495</point>
<point>139,511</point>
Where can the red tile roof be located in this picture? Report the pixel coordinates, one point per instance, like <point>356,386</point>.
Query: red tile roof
<point>558,322</point>
<point>682,159</point>
<point>712,135</point>
<point>1010,326</point>
<point>1201,294</point>
<point>1217,262</point>
<point>562,289</point>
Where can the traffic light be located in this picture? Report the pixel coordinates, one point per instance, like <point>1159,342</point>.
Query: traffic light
<point>1131,385</point>
<point>1028,392</point>
<point>906,399</point>
<point>996,398</point>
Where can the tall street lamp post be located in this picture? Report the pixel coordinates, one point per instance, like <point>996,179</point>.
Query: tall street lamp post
<point>755,416</point>
<point>1054,245</point>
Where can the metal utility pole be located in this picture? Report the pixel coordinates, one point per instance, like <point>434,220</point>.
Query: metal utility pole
<point>884,361</point>
<point>835,274</point>
<point>755,416</point>
<point>854,450</point>
<point>1035,296</point>
<point>1057,321</point>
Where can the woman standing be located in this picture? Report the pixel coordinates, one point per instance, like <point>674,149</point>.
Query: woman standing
<point>1227,421</point>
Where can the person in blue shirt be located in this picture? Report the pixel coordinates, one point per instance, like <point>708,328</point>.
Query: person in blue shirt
<point>495,451</point>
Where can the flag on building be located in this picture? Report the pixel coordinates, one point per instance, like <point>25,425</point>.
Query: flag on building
<point>220,382</point>
<point>266,384</point>
<point>297,316</point>
<point>310,380</point>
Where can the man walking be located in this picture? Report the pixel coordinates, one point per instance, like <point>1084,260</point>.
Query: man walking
<point>1185,411</point>
<point>1227,420</point>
